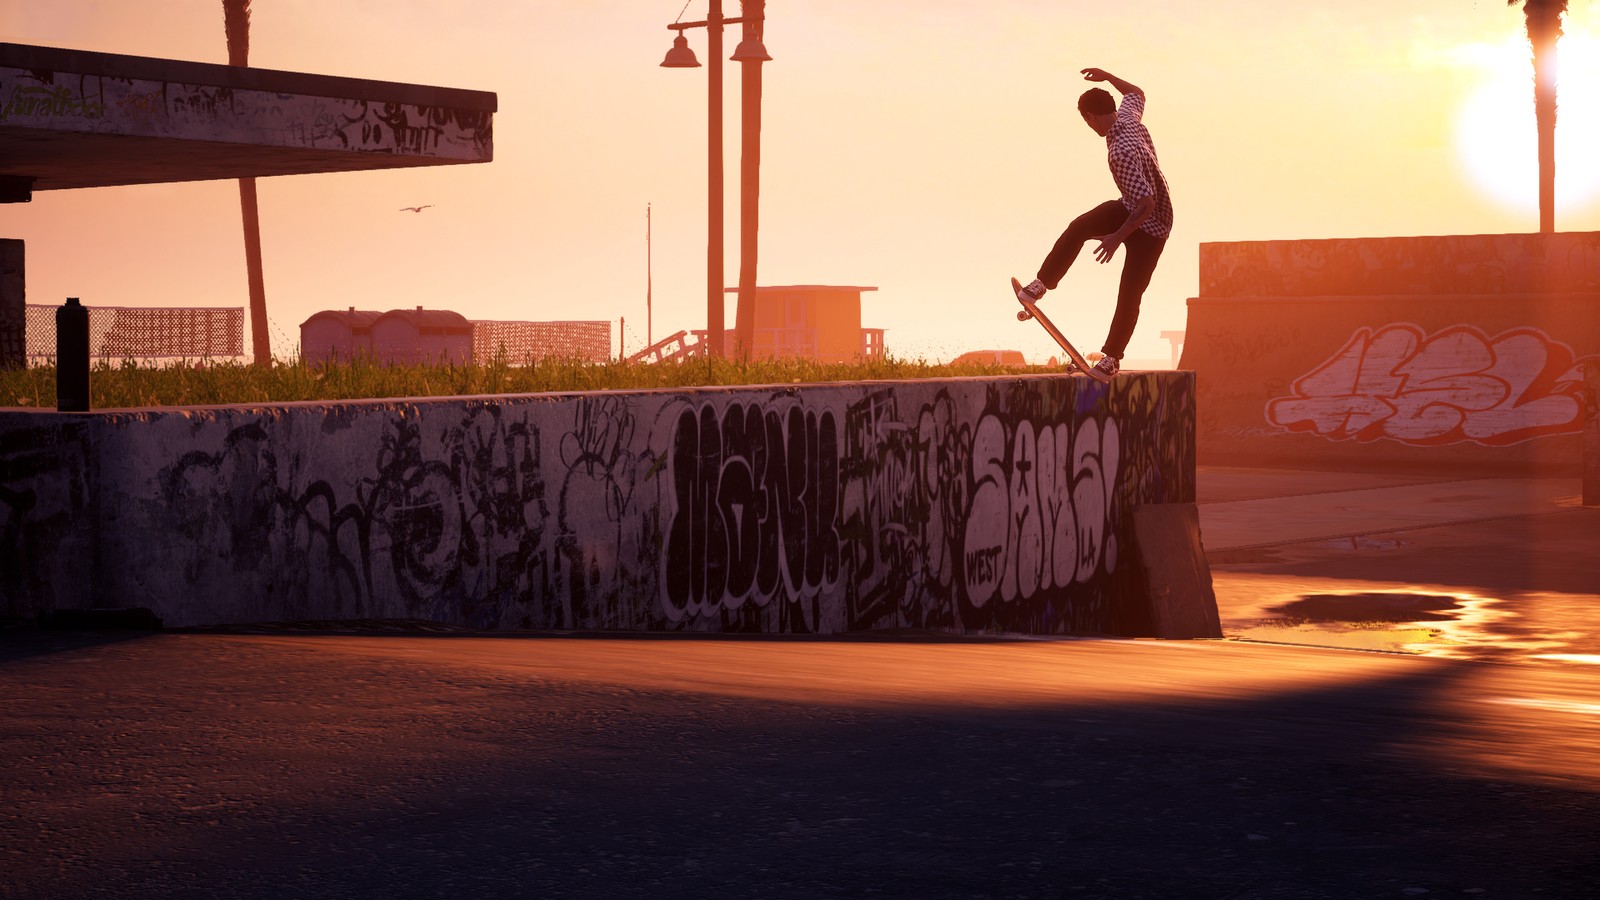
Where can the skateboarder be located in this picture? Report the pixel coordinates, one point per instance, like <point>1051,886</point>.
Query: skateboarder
<point>1140,220</point>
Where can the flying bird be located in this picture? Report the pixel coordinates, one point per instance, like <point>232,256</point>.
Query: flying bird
<point>416,209</point>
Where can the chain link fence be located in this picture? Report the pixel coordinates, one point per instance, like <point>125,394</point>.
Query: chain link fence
<point>218,332</point>
<point>522,341</point>
<point>117,332</point>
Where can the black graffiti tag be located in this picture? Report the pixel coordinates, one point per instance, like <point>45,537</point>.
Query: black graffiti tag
<point>755,496</point>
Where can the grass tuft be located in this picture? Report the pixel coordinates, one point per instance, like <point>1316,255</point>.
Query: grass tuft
<point>131,384</point>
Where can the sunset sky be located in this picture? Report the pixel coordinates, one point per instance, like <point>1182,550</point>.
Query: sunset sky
<point>931,148</point>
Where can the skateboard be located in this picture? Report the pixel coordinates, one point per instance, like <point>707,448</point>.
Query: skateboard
<point>1031,310</point>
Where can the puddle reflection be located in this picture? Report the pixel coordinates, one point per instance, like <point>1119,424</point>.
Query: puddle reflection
<point>1457,625</point>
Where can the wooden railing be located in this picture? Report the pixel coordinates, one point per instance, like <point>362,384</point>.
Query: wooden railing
<point>779,342</point>
<point>672,347</point>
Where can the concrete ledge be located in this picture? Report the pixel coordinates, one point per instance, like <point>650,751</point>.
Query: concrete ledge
<point>970,506</point>
<point>1415,266</point>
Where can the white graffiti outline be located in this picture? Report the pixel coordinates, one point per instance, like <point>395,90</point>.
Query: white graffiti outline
<point>1455,385</point>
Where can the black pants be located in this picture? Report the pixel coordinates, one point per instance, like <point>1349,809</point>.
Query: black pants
<point>1143,252</point>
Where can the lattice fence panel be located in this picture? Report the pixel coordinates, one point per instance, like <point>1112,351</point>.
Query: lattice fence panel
<point>121,332</point>
<point>588,341</point>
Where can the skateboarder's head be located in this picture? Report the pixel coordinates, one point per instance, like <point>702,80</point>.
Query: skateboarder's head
<point>1098,109</point>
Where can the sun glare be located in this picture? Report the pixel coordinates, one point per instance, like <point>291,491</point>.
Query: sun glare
<point>1495,131</point>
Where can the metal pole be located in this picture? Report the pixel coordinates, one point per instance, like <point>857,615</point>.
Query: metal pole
<point>714,273</point>
<point>649,269</point>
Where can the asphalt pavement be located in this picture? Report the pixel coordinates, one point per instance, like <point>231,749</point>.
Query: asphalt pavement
<point>1503,569</point>
<point>1462,763</point>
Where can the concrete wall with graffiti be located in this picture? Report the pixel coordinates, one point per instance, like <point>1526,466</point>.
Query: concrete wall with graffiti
<point>1464,350</point>
<point>998,504</point>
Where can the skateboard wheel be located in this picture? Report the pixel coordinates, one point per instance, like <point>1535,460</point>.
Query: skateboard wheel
<point>1024,316</point>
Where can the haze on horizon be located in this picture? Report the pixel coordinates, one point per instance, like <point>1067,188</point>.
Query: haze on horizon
<point>928,147</point>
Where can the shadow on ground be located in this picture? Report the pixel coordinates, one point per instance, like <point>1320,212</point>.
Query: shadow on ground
<point>250,771</point>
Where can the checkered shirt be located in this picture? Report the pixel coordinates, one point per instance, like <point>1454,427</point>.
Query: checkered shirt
<point>1132,155</point>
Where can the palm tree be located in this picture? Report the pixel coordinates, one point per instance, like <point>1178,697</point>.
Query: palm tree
<point>236,26</point>
<point>1544,30</point>
<point>754,14</point>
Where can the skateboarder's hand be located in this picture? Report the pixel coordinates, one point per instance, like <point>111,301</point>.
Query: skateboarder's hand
<point>1107,248</point>
<point>1093,74</point>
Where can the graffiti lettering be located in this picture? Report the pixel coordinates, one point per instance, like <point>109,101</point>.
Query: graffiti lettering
<point>755,507</point>
<point>42,101</point>
<point>902,490</point>
<point>145,104</point>
<point>1398,383</point>
<point>595,496</point>
<point>983,565</point>
<point>1050,493</point>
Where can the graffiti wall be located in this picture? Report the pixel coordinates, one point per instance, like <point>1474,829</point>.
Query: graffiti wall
<point>966,505</point>
<point>1460,350</point>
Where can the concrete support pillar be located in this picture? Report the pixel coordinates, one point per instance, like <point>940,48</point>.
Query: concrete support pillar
<point>13,305</point>
<point>1177,577</point>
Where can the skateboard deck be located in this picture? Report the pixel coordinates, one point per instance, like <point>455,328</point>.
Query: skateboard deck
<point>1031,310</point>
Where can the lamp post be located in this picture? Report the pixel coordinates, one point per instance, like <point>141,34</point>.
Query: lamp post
<point>750,51</point>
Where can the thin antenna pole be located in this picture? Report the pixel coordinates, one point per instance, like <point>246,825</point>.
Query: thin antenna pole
<point>649,314</point>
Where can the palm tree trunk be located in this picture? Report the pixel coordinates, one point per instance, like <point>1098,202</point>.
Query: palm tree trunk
<point>1544,32</point>
<point>236,27</point>
<point>260,342</point>
<point>749,184</point>
<point>1544,111</point>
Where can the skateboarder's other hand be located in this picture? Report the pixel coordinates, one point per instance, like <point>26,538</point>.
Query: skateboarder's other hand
<point>1093,74</point>
<point>1107,248</point>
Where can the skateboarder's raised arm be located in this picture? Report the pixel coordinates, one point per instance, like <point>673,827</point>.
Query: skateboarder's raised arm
<point>1123,87</point>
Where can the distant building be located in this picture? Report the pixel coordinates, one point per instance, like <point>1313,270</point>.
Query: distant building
<point>410,336</point>
<point>814,321</point>
<point>334,334</point>
<point>399,336</point>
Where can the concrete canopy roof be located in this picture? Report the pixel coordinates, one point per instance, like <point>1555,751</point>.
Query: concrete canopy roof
<point>73,118</point>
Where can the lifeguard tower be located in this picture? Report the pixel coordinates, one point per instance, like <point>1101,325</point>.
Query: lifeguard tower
<point>814,321</point>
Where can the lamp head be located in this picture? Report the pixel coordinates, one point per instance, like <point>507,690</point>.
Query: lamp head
<point>750,50</point>
<point>680,56</point>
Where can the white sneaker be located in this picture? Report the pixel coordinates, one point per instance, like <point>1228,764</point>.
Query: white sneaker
<point>1033,290</point>
<point>1108,367</point>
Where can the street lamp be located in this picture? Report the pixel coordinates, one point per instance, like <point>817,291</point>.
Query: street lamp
<point>751,52</point>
